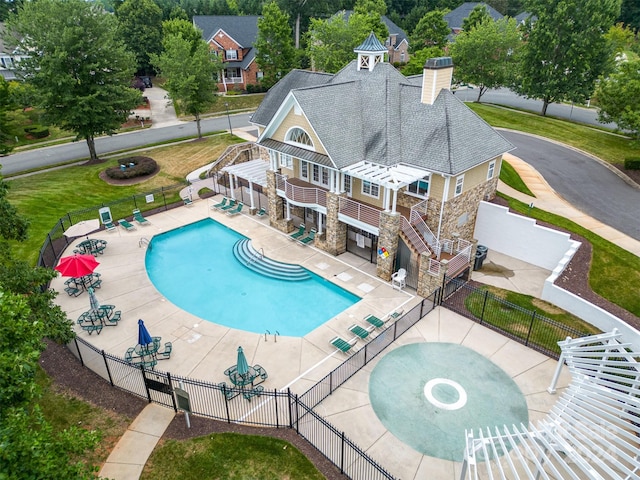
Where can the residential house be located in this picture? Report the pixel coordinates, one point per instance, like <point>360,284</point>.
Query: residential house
<point>389,167</point>
<point>8,58</point>
<point>232,38</point>
<point>397,42</point>
<point>455,18</point>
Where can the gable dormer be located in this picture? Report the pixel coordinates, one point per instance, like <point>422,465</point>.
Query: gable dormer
<point>370,52</point>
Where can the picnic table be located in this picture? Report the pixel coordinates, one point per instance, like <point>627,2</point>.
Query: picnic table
<point>107,315</point>
<point>254,376</point>
<point>91,246</point>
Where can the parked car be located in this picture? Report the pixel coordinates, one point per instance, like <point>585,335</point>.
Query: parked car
<point>147,82</point>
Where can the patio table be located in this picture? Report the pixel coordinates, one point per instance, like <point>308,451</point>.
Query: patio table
<point>241,380</point>
<point>150,350</point>
<point>92,246</point>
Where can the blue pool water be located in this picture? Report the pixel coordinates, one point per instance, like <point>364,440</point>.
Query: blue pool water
<point>195,269</point>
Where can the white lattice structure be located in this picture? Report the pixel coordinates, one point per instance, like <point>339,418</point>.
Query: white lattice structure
<point>592,432</point>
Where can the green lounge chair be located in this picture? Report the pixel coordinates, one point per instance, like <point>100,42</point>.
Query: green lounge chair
<point>299,233</point>
<point>375,321</point>
<point>236,210</point>
<point>361,332</point>
<point>393,316</point>
<point>218,206</point>
<point>105,218</point>
<point>232,203</point>
<point>342,345</point>
<point>309,238</point>
<point>137,216</point>
<point>127,226</point>
<point>261,213</point>
<point>187,202</point>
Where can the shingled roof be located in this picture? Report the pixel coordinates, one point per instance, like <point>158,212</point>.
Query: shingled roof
<point>455,18</point>
<point>243,29</point>
<point>378,116</point>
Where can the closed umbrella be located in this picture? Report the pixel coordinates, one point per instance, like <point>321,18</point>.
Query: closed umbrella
<point>77,265</point>
<point>242,366</point>
<point>144,338</point>
<point>93,301</point>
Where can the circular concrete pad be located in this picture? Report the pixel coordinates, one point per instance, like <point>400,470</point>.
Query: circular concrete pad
<point>427,394</point>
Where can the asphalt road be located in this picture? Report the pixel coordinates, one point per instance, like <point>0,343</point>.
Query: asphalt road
<point>42,157</point>
<point>582,181</point>
<point>504,96</point>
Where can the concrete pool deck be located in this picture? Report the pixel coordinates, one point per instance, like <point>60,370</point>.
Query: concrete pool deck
<point>204,350</point>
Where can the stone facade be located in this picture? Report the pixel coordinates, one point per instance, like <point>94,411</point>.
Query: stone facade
<point>276,206</point>
<point>388,238</point>
<point>335,238</point>
<point>427,282</point>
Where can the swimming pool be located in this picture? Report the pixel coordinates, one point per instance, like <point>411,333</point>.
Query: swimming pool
<point>195,269</point>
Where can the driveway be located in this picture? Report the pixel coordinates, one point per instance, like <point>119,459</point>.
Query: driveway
<point>588,185</point>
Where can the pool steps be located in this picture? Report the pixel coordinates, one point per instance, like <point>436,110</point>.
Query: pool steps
<point>256,261</point>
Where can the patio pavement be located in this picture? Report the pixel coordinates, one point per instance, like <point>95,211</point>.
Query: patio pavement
<point>203,350</point>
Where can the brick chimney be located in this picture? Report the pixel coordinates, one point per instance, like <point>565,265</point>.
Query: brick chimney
<point>437,74</point>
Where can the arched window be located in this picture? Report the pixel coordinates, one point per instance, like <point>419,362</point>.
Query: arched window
<point>299,137</point>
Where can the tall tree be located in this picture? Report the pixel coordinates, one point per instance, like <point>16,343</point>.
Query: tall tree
<point>302,10</point>
<point>487,55</point>
<point>432,31</point>
<point>367,18</point>
<point>141,29</point>
<point>415,65</point>
<point>566,50</point>
<point>190,72</point>
<point>478,15</point>
<point>630,14</point>
<point>79,66</point>
<point>275,53</point>
<point>5,105</point>
<point>330,44</point>
<point>31,448</point>
<point>618,96</point>
<point>183,28</point>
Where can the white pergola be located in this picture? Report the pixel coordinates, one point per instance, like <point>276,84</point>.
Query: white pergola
<point>253,171</point>
<point>592,432</point>
<point>392,178</point>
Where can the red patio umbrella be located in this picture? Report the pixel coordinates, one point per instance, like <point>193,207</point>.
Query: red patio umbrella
<point>77,265</point>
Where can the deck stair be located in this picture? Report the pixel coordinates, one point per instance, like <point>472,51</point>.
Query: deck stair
<point>256,261</point>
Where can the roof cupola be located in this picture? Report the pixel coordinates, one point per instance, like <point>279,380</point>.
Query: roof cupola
<point>370,52</point>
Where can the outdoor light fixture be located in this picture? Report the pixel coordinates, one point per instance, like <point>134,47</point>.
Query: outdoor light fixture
<point>228,117</point>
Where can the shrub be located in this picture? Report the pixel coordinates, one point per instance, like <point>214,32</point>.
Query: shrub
<point>632,163</point>
<point>142,166</point>
<point>37,131</point>
<point>255,89</point>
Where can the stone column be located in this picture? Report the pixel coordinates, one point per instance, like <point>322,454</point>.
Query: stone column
<point>427,282</point>
<point>276,203</point>
<point>388,238</point>
<point>336,231</point>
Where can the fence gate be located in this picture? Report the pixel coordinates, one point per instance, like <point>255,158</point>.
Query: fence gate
<point>452,284</point>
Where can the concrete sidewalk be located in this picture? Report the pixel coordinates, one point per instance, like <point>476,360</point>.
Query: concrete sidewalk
<point>548,200</point>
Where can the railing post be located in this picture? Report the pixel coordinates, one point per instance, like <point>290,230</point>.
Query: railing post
<point>342,453</point>
<point>484,304</point>
<point>533,319</point>
<point>275,397</point>
<point>173,398</point>
<point>144,380</point>
<point>75,340</point>
<point>104,357</point>
<point>290,404</point>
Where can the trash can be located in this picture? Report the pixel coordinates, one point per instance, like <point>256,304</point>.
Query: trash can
<point>481,255</point>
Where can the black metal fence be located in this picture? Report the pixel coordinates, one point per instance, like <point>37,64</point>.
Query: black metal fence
<point>279,409</point>
<point>524,326</point>
<point>153,201</point>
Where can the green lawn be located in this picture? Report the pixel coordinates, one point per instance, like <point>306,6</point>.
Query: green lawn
<point>517,321</point>
<point>609,147</point>
<point>229,456</point>
<point>509,176</point>
<point>614,273</point>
